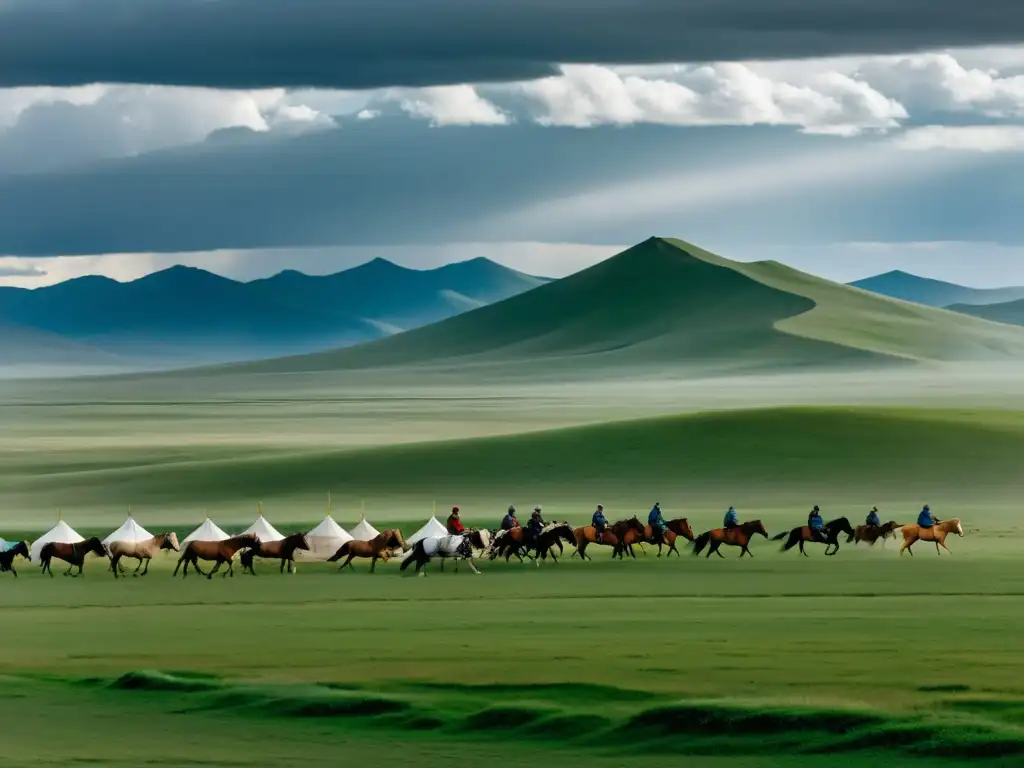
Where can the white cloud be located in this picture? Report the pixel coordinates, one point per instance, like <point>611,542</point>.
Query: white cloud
<point>448,105</point>
<point>966,138</point>
<point>719,94</point>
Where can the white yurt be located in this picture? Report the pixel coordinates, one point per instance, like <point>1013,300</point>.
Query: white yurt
<point>433,527</point>
<point>324,540</point>
<point>129,531</point>
<point>61,532</point>
<point>263,529</point>
<point>364,531</point>
<point>208,531</point>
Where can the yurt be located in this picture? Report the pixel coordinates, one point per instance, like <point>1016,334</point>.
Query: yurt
<point>61,532</point>
<point>364,531</point>
<point>263,529</point>
<point>208,531</point>
<point>433,527</point>
<point>129,531</point>
<point>323,540</point>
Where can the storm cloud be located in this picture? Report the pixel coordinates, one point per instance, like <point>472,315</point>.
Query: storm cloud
<point>360,44</point>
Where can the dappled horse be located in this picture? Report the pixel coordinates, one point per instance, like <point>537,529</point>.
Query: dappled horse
<point>937,533</point>
<point>8,555</point>
<point>872,533</point>
<point>143,551</point>
<point>804,534</point>
<point>219,551</point>
<point>377,548</point>
<point>734,537</point>
<point>458,546</point>
<point>282,549</point>
<point>613,536</point>
<point>74,554</point>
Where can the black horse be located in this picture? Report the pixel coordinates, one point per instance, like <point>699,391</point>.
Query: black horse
<point>829,536</point>
<point>7,557</point>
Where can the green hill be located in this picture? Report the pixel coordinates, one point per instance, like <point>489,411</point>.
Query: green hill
<point>1009,312</point>
<point>668,303</point>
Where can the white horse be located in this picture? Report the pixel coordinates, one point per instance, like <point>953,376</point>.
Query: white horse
<point>459,547</point>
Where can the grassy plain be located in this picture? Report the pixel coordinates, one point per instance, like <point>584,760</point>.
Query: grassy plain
<point>866,657</point>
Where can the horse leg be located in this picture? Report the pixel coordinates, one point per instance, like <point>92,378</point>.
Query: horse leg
<point>146,569</point>
<point>472,567</point>
<point>373,564</point>
<point>216,567</point>
<point>802,549</point>
<point>114,561</point>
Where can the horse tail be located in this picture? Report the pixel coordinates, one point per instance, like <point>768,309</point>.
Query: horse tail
<point>794,537</point>
<point>700,542</point>
<point>414,554</point>
<point>342,551</point>
<point>781,536</point>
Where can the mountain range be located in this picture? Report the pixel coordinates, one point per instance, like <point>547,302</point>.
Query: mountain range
<point>935,293</point>
<point>185,316</point>
<point>665,303</point>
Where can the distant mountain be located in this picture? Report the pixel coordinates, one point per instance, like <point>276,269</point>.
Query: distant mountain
<point>1009,312</point>
<point>934,293</point>
<point>184,315</point>
<point>665,303</point>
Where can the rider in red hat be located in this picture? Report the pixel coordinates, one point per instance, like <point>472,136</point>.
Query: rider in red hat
<point>455,526</point>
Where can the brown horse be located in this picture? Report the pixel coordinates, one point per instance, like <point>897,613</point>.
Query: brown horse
<point>872,533</point>
<point>8,555</point>
<point>734,537</point>
<point>70,553</point>
<point>377,548</point>
<point>673,530</point>
<point>282,549</point>
<point>937,533</point>
<point>612,537</point>
<point>219,551</point>
<point>143,551</point>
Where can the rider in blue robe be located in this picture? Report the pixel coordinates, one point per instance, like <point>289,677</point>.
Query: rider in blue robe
<point>872,518</point>
<point>732,520</point>
<point>600,522</point>
<point>657,523</point>
<point>925,519</point>
<point>817,524</point>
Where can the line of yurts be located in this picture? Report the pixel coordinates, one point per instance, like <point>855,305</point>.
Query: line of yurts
<point>323,541</point>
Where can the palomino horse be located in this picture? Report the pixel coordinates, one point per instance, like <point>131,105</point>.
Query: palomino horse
<point>612,537</point>
<point>143,551</point>
<point>8,555</point>
<point>937,533</point>
<point>459,547</point>
<point>283,550</point>
<point>804,534</point>
<point>219,551</point>
<point>70,553</point>
<point>673,530</point>
<point>377,548</point>
<point>872,533</point>
<point>734,537</point>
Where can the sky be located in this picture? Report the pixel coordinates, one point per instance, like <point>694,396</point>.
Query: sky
<point>250,136</point>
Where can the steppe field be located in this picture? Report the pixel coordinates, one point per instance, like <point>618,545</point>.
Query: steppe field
<point>867,657</point>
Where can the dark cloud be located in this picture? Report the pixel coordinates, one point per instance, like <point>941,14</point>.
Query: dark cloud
<point>373,43</point>
<point>400,182</point>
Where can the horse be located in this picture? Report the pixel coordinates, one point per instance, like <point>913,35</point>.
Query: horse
<point>937,533</point>
<point>552,536</point>
<point>70,553</point>
<point>282,549</point>
<point>803,534</point>
<point>738,536</point>
<point>220,551</point>
<point>479,540</point>
<point>458,546</point>
<point>377,548</point>
<point>508,542</point>
<point>8,555</point>
<point>143,551</point>
<point>673,530</point>
<point>613,535</point>
<point>872,533</point>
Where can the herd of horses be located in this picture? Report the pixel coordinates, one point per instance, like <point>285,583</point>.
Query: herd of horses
<point>621,537</point>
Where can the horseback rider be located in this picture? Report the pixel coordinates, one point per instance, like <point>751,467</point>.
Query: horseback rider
<point>509,521</point>
<point>817,525</point>
<point>534,526</point>
<point>657,523</point>
<point>732,520</point>
<point>600,522</point>
<point>872,518</point>
<point>537,513</point>
<point>455,526</point>
<point>925,519</point>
